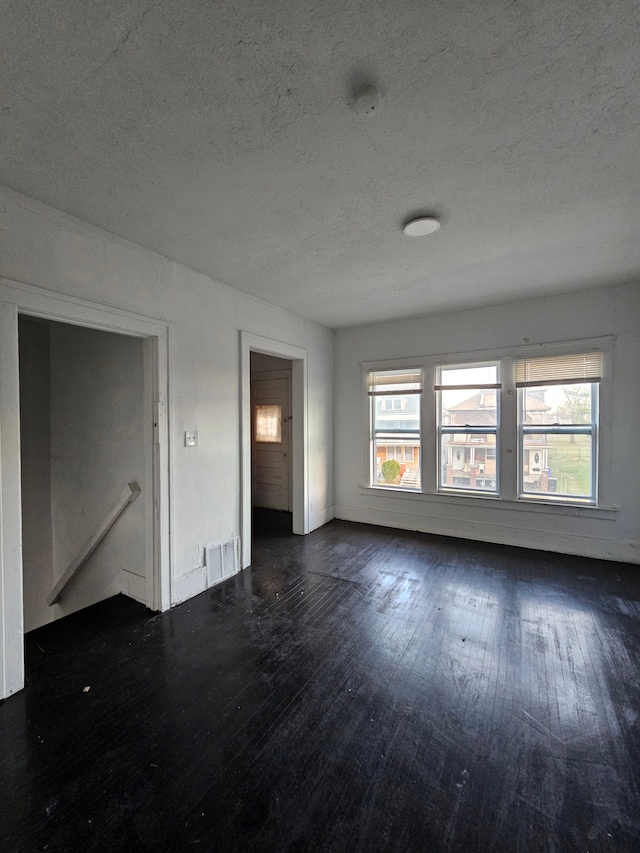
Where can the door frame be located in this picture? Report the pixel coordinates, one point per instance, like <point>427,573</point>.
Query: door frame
<point>299,451</point>
<point>22,299</point>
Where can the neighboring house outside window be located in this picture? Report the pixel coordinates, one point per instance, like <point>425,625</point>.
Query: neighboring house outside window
<point>394,401</point>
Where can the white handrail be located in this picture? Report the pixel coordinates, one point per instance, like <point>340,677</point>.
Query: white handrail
<point>127,496</point>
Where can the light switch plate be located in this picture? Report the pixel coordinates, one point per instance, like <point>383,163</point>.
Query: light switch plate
<point>191,438</point>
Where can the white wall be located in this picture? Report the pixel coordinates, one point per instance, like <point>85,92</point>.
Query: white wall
<point>97,448</point>
<point>46,248</point>
<point>82,435</point>
<point>613,534</point>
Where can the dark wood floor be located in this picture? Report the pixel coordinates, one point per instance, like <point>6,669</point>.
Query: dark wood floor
<point>356,690</point>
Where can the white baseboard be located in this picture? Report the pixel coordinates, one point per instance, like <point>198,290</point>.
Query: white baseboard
<point>500,534</point>
<point>188,585</point>
<point>318,519</point>
<point>133,585</point>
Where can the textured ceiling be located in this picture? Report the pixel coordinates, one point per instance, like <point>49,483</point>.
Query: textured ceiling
<point>223,135</point>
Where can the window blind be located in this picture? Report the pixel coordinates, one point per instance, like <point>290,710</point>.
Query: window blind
<point>559,369</point>
<point>395,382</point>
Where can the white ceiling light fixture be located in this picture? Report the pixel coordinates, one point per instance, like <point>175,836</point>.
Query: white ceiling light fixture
<point>421,226</point>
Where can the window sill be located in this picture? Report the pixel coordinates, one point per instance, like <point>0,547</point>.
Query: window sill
<point>535,505</point>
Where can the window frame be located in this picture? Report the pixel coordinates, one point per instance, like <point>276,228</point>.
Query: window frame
<point>591,429</point>
<point>277,418</point>
<point>416,435</point>
<point>467,429</point>
<point>508,456</point>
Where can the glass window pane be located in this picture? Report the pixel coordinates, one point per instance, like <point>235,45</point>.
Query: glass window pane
<point>469,407</point>
<point>468,461</point>
<point>472,405</point>
<point>487,373</point>
<point>561,404</point>
<point>268,424</point>
<point>397,465</point>
<point>558,465</point>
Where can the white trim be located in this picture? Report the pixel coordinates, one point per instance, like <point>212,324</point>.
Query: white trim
<point>476,499</point>
<point>322,517</point>
<point>249,343</point>
<point>188,585</point>
<point>11,610</point>
<point>18,298</point>
<point>508,454</point>
<point>53,305</point>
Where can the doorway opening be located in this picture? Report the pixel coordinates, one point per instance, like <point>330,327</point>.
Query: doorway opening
<point>18,302</point>
<point>86,437</point>
<point>271,444</point>
<point>281,481</point>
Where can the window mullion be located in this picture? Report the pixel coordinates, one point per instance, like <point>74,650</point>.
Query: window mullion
<point>429,440</point>
<point>508,443</point>
<point>595,441</point>
<point>368,465</point>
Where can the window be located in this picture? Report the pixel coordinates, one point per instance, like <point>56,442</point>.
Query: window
<point>468,424</point>
<point>523,426</point>
<point>394,403</point>
<point>558,419</point>
<point>268,424</point>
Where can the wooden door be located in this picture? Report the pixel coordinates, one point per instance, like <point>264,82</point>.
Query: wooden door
<point>270,432</point>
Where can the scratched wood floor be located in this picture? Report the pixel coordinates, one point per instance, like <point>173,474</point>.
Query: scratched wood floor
<point>359,689</point>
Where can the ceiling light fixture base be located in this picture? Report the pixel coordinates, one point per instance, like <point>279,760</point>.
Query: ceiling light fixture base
<point>366,101</point>
<point>421,226</point>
